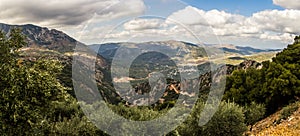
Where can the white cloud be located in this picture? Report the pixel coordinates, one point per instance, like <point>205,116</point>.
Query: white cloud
<point>262,27</point>
<point>284,21</point>
<point>66,12</point>
<point>187,16</point>
<point>193,16</point>
<point>270,24</point>
<point>289,4</point>
<point>276,25</point>
<point>142,24</point>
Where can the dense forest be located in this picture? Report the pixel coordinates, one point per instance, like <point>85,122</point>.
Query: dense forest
<point>34,101</point>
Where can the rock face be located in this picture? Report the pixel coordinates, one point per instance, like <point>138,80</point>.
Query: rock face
<point>244,65</point>
<point>44,37</point>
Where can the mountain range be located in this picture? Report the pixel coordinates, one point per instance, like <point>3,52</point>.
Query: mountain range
<point>107,50</point>
<point>54,44</point>
<point>57,40</point>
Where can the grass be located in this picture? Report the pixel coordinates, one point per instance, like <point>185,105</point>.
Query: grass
<point>289,124</point>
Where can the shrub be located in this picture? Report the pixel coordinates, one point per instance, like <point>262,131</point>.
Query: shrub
<point>227,121</point>
<point>288,110</point>
<point>254,112</point>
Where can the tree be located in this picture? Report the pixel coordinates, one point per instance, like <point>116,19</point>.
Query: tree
<point>227,121</point>
<point>275,85</point>
<point>28,89</point>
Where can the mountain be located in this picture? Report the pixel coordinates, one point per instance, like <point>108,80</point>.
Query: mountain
<point>235,55</point>
<point>107,50</point>
<point>44,43</point>
<point>44,37</point>
<point>53,44</point>
<point>239,50</point>
<point>46,40</point>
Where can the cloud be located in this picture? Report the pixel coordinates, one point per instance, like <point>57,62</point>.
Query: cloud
<point>280,21</point>
<point>193,16</point>
<point>143,24</point>
<point>269,28</point>
<point>289,4</point>
<point>281,25</point>
<point>66,12</point>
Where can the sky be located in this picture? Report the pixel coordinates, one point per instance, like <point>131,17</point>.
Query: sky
<point>256,23</point>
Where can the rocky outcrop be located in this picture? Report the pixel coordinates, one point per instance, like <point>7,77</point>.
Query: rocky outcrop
<point>243,66</point>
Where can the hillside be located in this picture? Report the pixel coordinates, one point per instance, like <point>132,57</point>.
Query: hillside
<point>150,62</point>
<point>56,45</point>
<point>44,37</point>
<point>259,57</point>
<point>234,55</point>
<point>271,85</point>
<point>276,85</point>
<point>108,49</point>
<point>231,49</point>
<point>276,125</point>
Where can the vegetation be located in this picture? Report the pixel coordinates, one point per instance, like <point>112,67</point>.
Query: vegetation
<point>276,126</point>
<point>253,113</point>
<point>288,111</point>
<point>35,101</point>
<point>228,120</point>
<point>275,85</point>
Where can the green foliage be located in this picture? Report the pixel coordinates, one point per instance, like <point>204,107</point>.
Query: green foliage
<point>288,110</point>
<point>75,126</point>
<point>142,113</point>
<point>190,125</point>
<point>244,86</point>
<point>227,121</point>
<point>254,112</point>
<point>28,89</point>
<point>275,85</point>
<point>136,113</point>
<point>34,102</point>
<point>9,46</point>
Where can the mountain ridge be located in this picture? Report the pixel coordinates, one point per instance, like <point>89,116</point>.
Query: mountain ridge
<point>229,49</point>
<point>44,37</point>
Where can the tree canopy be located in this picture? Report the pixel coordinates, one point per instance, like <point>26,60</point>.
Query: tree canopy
<point>276,84</point>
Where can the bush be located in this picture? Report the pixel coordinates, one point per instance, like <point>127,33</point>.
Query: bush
<point>190,125</point>
<point>288,110</point>
<point>227,121</point>
<point>76,126</point>
<point>254,112</point>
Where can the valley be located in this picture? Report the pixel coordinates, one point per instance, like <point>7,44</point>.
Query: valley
<point>159,74</point>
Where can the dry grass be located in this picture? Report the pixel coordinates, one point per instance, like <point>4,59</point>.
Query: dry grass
<point>270,126</point>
